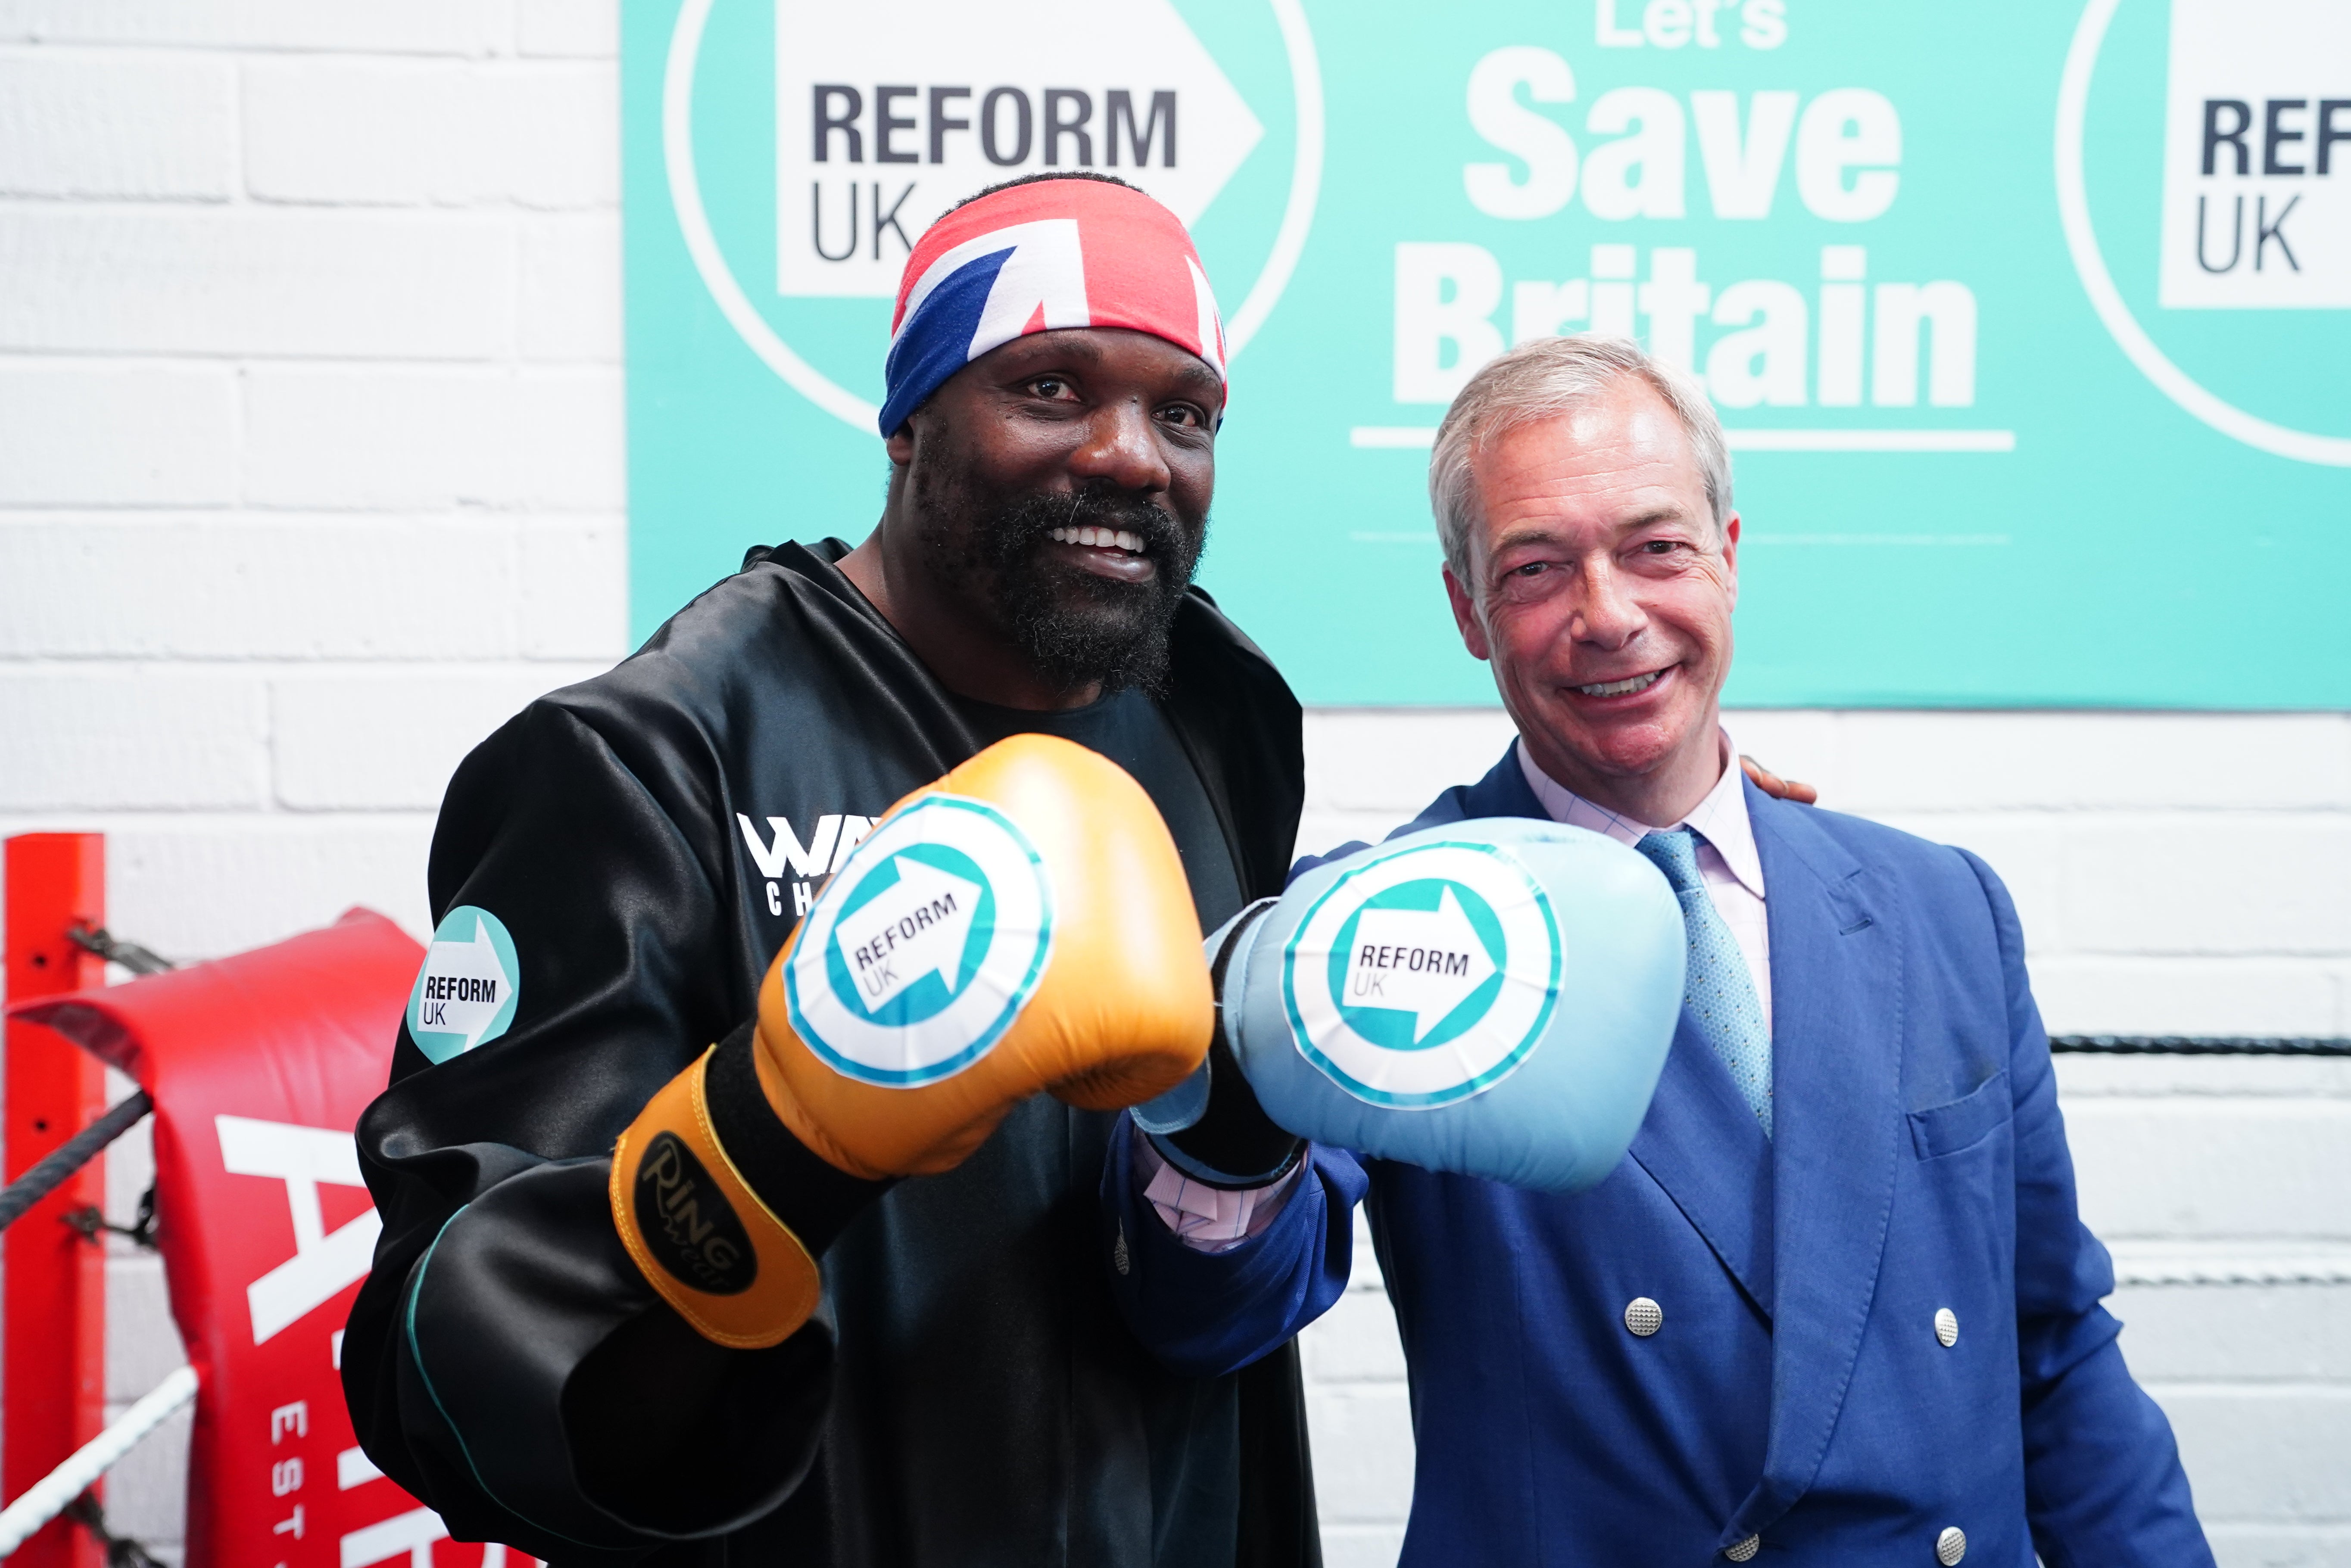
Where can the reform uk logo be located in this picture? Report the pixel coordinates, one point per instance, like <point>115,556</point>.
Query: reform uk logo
<point>880,120</point>
<point>2257,157</point>
<point>932,939</point>
<point>2254,173</point>
<point>1425,976</point>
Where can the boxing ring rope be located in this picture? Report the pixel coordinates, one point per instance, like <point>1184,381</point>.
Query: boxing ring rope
<point>114,949</point>
<point>53,1493</point>
<point>2195,1264</point>
<point>2199,1046</point>
<point>70,1156</point>
<point>58,1490</point>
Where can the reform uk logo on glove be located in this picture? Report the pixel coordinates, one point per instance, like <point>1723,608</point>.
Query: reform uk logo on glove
<point>924,950</point>
<point>1425,976</point>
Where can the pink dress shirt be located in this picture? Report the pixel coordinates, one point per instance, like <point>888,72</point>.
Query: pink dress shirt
<point>1727,861</point>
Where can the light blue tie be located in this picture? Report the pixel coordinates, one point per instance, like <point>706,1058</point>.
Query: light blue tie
<point>1718,993</point>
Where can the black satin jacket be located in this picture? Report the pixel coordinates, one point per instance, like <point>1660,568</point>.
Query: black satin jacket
<point>968,1395</point>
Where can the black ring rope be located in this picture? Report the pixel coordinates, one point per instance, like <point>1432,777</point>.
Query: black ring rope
<point>70,1156</point>
<point>114,949</point>
<point>2200,1045</point>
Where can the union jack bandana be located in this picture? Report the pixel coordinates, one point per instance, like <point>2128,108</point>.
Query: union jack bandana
<point>1059,253</point>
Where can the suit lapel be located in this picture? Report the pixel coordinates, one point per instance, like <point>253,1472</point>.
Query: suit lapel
<point>1503,792</point>
<point>1705,1148</point>
<point>1700,1141</point>
<point>1801,1225</point>
<point>1838,1017</point>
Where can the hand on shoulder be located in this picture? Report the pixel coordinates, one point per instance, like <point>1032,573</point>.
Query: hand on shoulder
<point>1775,786</point>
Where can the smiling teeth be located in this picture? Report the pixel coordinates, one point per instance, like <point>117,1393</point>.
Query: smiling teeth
<point>1619,688</point>
<point>1104,538</point>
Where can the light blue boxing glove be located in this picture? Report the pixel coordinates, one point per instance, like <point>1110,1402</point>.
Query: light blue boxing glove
<point>1493,997</point>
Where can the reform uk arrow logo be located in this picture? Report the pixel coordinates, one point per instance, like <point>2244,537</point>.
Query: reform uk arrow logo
<point>1425,974</point>
<point>880,129</point>
<point>1426,963</point>
<point>799,192</point>
<point>919,926</point>
<point>2254,217</point>
<point>946,887</point>
<point>465,991</point>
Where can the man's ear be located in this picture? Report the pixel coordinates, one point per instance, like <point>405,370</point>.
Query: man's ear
<point>901,446</point>
<point>1465,617</point>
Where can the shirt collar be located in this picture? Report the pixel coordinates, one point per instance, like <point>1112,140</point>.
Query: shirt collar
<point>1721,819</point>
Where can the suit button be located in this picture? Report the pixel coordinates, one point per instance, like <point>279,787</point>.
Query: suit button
<point>1743,1550</point>
<point>1645,1317</point>
<point>1951,1546</point>
<point>1946,1330</point>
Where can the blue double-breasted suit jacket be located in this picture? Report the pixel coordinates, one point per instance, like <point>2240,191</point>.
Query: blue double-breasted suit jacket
<point>1798,1390</point>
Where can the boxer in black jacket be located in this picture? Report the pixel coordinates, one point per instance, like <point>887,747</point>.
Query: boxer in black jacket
<point>645,842</point>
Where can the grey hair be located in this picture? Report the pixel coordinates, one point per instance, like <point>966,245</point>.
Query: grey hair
<point>1544,379</point>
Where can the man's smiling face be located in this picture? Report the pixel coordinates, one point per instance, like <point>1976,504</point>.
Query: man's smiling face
<point>1601,592</point>
<point>1060,485</point>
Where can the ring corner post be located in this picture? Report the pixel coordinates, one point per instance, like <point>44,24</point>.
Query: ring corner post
<point>53,1301</point>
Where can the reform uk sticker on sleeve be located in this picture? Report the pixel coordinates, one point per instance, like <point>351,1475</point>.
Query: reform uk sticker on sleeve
<point>466,993</point>
<point>927,945</point>
<point>1424,977</point>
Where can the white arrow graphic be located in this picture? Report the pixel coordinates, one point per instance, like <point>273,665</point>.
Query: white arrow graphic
<point>465,986</point>
<point>1147,75</point>
<point>1421,961</point>
<point>917,928</point>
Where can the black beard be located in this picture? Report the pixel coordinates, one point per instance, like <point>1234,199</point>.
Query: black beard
<point>1076,627</point>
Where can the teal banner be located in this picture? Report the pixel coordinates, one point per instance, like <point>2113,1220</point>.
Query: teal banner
<point>2030,322</point>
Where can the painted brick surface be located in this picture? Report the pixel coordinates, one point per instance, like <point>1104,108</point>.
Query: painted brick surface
<point>311,408</point>
<point>571,288</point>
<point>254,281</point>
<point>220,586</point>
<point>129,739</point>
<point>82,434</point>
<point>427,133</point>
<point>2285,1334</point>
<point>2149,1167</point>
<point>567,29</point>
<point>432,439</point>
<point>93,125</point>
<point>382,26</point>
<point>387,741</point>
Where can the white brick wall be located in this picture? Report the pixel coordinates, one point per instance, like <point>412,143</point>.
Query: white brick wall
<point>311,472</point>
<point>310,398</point>
<point>310,460</point>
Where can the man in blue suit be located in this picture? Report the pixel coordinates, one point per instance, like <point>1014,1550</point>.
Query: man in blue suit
<point>1837,1306</point>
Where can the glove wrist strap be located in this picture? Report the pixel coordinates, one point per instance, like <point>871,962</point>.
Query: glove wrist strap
<point>697,1230</point>
<point>814,1195</point>
<point>1233,1145</point>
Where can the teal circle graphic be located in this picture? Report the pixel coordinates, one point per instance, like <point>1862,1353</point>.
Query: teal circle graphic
<point>924,950</point>
<point>930,995</point>
<point>1459,905</point>
<point>466,989</point>
<point>1390,1028</point>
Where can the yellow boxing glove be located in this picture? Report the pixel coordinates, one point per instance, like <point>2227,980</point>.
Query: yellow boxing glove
<point>1023,924</point>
